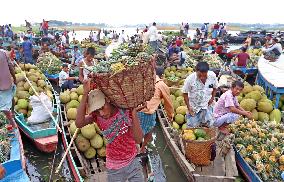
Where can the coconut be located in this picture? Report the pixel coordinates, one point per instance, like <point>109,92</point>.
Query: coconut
<point>97,141</point>
<point>82,143</point>
<point>88,131</point>
<point>90,153</point>
<point>72,113</point>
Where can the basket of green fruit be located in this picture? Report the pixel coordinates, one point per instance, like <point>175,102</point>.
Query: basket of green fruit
<point>199,144</point>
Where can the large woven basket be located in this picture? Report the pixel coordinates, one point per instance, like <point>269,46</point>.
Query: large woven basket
<point>131,87</point>
<point>199,152</point>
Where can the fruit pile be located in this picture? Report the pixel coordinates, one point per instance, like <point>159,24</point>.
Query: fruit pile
<point>261,145</point>
<point>180,109</point>
<point>175,76</point>
<point>124,57</point>
<point>4,139</point>
<point>195,134</point>
<point>89,139</point>
<point>213,60</point>
<point>49,63</point>
<point>24,90</point>
<point>253,99</point>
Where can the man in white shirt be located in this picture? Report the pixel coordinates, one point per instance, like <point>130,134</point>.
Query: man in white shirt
<point>153,36</point>
<point>199,91</point>
<point>122,37</point>
<point>63,39</point>
<point>273,52</point>
<point>66,82</point>
<point>95,37</point>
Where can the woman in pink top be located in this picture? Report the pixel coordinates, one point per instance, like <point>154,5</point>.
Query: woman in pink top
<point>121,128</point>
<point>227,110</point>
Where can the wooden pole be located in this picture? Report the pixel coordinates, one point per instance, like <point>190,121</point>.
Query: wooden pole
<point>67,150</point>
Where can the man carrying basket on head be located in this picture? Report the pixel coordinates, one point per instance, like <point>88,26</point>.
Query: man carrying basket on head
<point>121,128</point>
<point>199,91</point>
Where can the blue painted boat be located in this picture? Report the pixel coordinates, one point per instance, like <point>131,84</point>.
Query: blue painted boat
<point>245,169</point>
<point>43,135</point>
<point>15,166</point>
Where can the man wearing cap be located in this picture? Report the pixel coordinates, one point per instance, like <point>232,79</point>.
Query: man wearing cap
<point>147,116</point>
<point>66,82</point>
<point>120,127</point>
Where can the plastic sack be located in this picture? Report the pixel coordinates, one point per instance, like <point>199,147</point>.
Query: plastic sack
<point>39,113</point>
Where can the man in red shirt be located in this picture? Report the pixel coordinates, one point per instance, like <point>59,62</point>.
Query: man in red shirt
<point>45,27</point>
<point>179,42</point>
<point>122,130</point>
<point>243,58</point>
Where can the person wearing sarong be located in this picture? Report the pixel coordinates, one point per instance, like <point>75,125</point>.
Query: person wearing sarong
<point>147,116</point>
<point>227,109</point>
<point>199,91</point>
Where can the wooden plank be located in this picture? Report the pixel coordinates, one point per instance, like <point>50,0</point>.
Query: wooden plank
<point>231,168</point>
<point>102,164</point>
<point>208,178</point>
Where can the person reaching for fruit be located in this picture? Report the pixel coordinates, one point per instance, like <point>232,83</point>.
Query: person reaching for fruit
<point>199,91</point>
<point>121,128</point>
<point>148,115</point>
<point>227,110</point>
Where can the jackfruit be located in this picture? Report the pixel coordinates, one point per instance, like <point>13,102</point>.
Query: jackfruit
<point>256,95</point>
<point>275,115</point>
<point>262,116</point>
<point>264,107</point>
<point>258,88</point>
<point>248,104</point>
<point>254,114</point>
<point>247,89</point>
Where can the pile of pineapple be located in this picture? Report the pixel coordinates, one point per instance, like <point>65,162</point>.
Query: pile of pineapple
<point>261,145</point>
<point>4,139</point>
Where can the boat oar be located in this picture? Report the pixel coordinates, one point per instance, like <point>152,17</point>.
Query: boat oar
<point>51,115</point>
<point>67,150</point>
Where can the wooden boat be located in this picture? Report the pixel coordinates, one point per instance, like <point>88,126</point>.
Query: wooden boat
<point>43,135</point>
<point>15,167</point>
<point>245,169</point>
<point>222,169</point>
<point>85,170</point>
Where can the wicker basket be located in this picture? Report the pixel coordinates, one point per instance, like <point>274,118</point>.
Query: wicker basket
<point>199,152</point>
<point>131,87</point>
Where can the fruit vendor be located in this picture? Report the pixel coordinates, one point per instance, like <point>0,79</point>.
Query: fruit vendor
<point>242,58</point>
<point>7,86</point>
<point>199,91</point>
<point>227,109</point>
<point>65,81</point>
<point>27,50</point>
<point>121,128</point>
<point>147,116</point>
<point>273,51</point>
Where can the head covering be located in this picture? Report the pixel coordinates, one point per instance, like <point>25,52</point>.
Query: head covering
<point>96,100</point>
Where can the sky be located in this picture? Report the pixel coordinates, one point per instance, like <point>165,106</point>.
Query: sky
<point>117,12</point>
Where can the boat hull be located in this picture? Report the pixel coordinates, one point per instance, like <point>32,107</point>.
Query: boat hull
<point>15,167</point>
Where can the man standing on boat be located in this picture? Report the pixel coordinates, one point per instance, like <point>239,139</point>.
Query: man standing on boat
<point>199,91</point>
<point>120,127</point>
<point>7,86</point>
<point>147,116</point>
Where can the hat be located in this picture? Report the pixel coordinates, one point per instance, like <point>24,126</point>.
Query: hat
<point>96,100</point>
